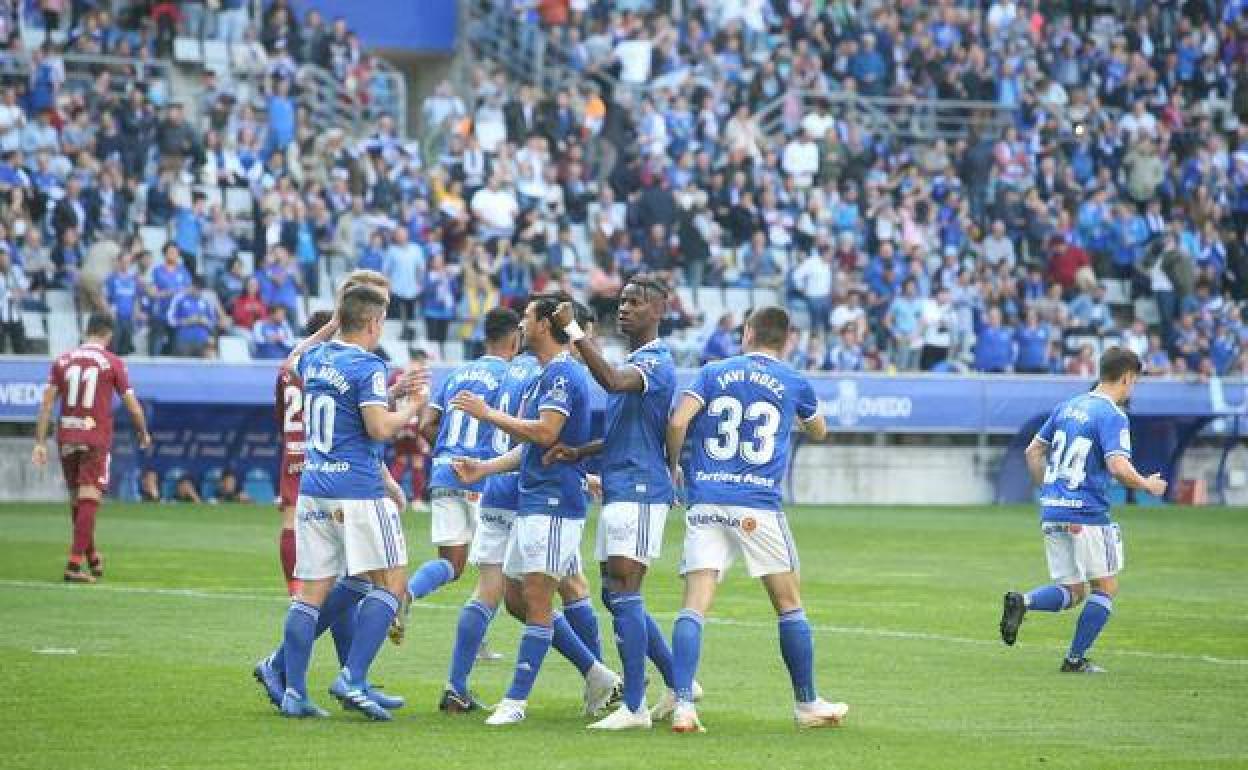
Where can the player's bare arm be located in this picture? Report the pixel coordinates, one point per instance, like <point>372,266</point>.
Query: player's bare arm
<point>324,334</point>
<point>544,431</point>
<point>470,470</point>
<point>138,418</point>
<point>1037,457</point>
<point>562,453</point>
<point>394,490</point>
<point>383,424</point>
<point>1129,477</point>
<point>613,379</point>
<point>39,456</point>
<point>677,427</point>
<point>430,424</point>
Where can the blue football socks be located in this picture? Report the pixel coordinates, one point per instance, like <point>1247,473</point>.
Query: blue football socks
<point>297,640</point>
<point>431,576</point>
<point>797,647</point>
<point>337,615</point>
<point>1051,598</point>
<point>570,645</point>
<point>474,621</point>
<point>534,644</point>
<point>629,611</point>
<point>372,621</point>
<point>658,651</point>
<point>584,621</point>
<point>1095,615</point>
<point>686,648</point>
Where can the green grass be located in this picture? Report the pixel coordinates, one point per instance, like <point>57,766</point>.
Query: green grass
<point>904,601</point>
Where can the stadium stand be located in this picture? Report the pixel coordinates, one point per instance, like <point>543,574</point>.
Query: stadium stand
<point>1082,162</point>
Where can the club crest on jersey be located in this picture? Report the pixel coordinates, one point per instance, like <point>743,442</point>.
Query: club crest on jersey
<point>1124,438</point>
<point>379,384</point>
<point>558,390</point>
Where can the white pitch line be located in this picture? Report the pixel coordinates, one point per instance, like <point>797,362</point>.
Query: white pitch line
<point>191,593</point>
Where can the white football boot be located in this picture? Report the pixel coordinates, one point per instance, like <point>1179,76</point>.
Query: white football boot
<point>601,685</point>
<point>624,718</point>
<point>820,713</point>
<point>508,712</point>
<point>662,710</point>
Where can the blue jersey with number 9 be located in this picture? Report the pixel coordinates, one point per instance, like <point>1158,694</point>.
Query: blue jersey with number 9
<point>460,435</point>
<point>343,461</point>
<point>739,442</point>
<point>1082,434</point>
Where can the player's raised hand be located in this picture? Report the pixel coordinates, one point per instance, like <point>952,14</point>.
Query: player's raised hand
<point>1155,485</point>
<point>564,314</point>
<point>470,404</point>
<point>560,453</point>
<point>467,469</point>
<point>39,456</point>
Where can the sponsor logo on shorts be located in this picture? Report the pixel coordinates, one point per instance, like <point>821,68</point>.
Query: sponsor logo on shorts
<point>316,515</point>
<point>622,531</point>
<point>494,519</point>
<point>535,550</point>
<point>749,524</point>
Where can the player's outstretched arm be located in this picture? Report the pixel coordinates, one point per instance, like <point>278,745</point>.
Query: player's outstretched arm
<point>613,379</point>
<point>1037,457</point>
<point>138,418</point>
<point>1122,469</point>
<point>323,334</point>
<point>39,456</point>
<point>562,453</point>
<point>544,431</point>
<point>470,470</point>
<point>677,427</point>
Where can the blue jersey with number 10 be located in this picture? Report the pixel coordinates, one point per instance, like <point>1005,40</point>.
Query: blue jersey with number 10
<point>343,461</point>
<point>458,434</point>
<point>1082,434</point>
<point>502,491</point>
<point>739,442</point>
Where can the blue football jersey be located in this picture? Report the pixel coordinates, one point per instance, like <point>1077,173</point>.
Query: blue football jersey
<point>502,491</point>
<point>458,434</point>
<point>739,442</point>
<point>1082,433</point>
<point>342,460</point>
<point>634,465</point>
<point>558,489</point>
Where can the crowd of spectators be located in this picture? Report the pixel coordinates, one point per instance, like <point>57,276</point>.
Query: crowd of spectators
<point>1113,208</point>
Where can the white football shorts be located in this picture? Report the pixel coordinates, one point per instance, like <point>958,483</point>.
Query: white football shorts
<point>634,530</point>
<point>544,544</point>
<point>1080,552</point>
<point>454,515</point>
<point>489,541</point>
<point>346,537</point>
<point>715,534</point>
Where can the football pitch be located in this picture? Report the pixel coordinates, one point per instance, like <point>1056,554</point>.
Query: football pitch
<point>152,667</point>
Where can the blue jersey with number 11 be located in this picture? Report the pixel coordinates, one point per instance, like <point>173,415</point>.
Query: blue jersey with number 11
<point>740,442</point>
<point>1082,434</point>
<point>458,434</point>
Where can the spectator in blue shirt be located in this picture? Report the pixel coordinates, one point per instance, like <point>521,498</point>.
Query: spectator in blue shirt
<point>188,230</point>
<point>1091,312</point>
<point>868,68</point>
<point>439,301</point>
<point>405,267</point>
<point>722,343</point>
<point>281,111</point>
<point>373,256</point>
<point>273,336</point>
<point>994,347</point>
<point>168,278</point>
<point>847,354</point>
<point>1032,345</point>
<point>194,318</point>
<point>902,322</point>
<point>279,284</point>
<point>68,257</point>
<point>122,290</point>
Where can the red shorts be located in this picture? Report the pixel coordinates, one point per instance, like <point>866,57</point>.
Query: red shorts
<point>86,466</point>
<point>288,484</point>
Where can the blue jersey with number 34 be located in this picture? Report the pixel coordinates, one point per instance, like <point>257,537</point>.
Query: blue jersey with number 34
<point>343,461</point>
<point>739,442</point>
<point>458,434</point>
<point>1082,434</point>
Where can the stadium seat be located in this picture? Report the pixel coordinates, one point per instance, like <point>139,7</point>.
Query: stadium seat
<point>233,349</point>
<point>169,482</point>
<point>63,333</point>
<point>208,483</point>
<point>153,239</point>
<point>216,56</point>
<point>187,50</point>
<point>249,261</point>
<point>1075,342</point>
<point>212,196</point>
<point>36,328</point>
<point>60,301</point>
<point>238,202</point>
<point>397,351</point>
<point>258,485</point>
<point>1146,311</point>
<point>1117,292</point>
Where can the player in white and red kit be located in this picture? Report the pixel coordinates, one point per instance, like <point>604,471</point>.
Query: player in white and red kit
<point>411,448</point>
<point>85,380</point>
<point>289,402</point>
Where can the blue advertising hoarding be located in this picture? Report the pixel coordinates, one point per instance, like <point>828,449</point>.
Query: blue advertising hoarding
<point>424,26</point>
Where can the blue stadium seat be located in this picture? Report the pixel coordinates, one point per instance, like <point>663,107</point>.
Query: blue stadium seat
<point>208,483</point>
<point>258,485</point>
<point>169,482</point>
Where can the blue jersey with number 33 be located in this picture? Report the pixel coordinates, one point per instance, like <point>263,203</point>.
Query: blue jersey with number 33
<point>1082,434</point>
<point>739,442</point>
<point>343,461</point>
<point>458,434</point>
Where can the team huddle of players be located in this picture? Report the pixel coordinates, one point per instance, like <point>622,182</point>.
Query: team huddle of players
<point>511,437</point>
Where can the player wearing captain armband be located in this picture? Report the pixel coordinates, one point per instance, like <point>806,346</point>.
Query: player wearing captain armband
<point>1081,448</point>
<point>738,414</point>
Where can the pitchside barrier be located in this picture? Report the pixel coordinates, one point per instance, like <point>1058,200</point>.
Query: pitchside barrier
<point>209,416</point>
